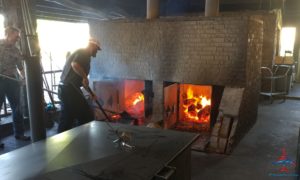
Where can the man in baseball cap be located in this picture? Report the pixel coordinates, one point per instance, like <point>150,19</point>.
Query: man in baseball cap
<point>95,42</point>
<point>74,76</point>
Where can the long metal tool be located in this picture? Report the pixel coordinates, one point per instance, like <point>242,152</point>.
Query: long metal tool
<point>123,138</point>
<point>100,107</point>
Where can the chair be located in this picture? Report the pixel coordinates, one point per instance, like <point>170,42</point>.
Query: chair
<point>277,81</point>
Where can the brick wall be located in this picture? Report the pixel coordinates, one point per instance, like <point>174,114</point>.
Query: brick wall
<point>197,50</point>
<point>269,40</point>
<point>206,50</point>
<point>272,22</point>
<point>249,105</point>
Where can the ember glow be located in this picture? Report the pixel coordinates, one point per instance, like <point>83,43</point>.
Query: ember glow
<point>135,104</point>
<point>115,117</point>
<point>196,107</point>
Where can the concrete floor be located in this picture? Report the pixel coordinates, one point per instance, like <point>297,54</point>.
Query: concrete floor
<point>295,91</point>
<point>12,144</point>
<point>277,127</point>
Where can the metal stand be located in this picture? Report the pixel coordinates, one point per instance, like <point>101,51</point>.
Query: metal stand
<point>273,76</point>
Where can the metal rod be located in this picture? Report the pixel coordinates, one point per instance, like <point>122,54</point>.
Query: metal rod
<point>52,72</point>
<point>122,138</point>
<point>100,107</point>
<point>10,78</point>
<point>5,107</point>
<point>53,92</point>
<point>47,87</point>
<point>51,69</point>
<point>29,18</point>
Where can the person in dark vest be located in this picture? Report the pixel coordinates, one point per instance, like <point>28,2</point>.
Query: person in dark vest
<point>74,106</point>
<point>11,78</point>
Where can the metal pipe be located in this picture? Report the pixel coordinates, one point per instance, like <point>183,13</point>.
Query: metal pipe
<point>152,9</point>
<point>212,7</point>
<point>33,74</point>
<point>35,98</point>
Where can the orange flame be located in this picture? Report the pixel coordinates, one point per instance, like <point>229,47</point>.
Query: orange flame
<point>135,104</point>
<point>196,108</point>
<point>139,98</point>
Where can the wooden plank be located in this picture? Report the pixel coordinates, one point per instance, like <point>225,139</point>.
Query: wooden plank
<point>213,143</point>
<point>225,127</point>
<point>231,101</point>
<point>231,136</point>
<point>216,129</point>
<point>222,143</point>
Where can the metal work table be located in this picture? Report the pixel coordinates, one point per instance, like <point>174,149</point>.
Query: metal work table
<point>88,152</point>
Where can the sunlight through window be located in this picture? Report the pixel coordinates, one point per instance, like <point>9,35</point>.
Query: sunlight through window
<point>56,38</point>
<point>1,26</point>
<point>287,40</point>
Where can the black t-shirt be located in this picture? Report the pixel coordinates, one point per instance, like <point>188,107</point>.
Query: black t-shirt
<point>69,76</point>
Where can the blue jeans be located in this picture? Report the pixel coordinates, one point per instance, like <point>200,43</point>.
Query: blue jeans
<point>11,89</point>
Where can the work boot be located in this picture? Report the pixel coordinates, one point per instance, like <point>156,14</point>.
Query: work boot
<point>22,137</point>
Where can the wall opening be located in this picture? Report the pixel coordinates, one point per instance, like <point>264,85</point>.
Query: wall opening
<point>126,101</point>
<point>287,40</point>
<point>191,107</point>
<point>57,39</point>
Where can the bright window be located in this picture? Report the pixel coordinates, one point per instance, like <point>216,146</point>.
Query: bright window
<point>287,40</point>
<point>1,26</point>
<point>56,39</point>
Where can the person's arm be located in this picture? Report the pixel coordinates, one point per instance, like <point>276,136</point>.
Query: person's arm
<point>80,71</point>
<point>85,81</point>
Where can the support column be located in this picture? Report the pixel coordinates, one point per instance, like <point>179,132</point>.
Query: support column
<point>152,9</point>
<point>212,7</point>
<point>33,72</point>
<point>35,98</point>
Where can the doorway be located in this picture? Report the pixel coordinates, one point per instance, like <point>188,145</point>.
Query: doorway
<point>57,39</point>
